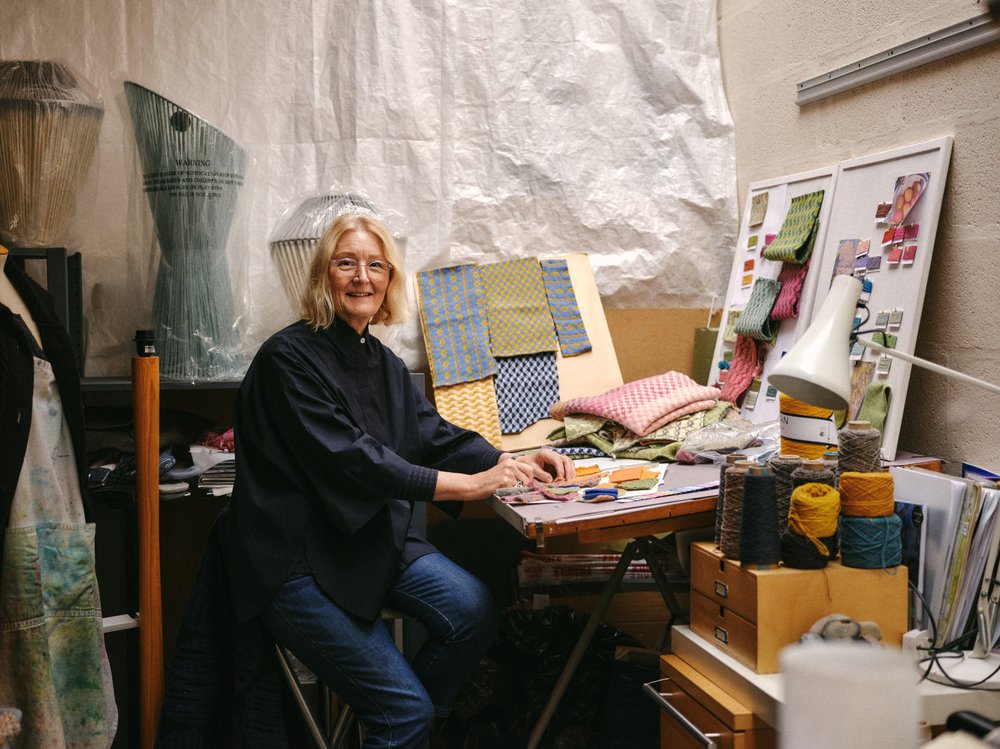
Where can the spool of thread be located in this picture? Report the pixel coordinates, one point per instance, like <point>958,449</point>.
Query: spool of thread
<point>860,448</point>
<point>871,543</point>
<point>760,542</point>
<point>720,505</point>
<point>732,519</point>
<point>783,466</point>
<point>798,552</point>
<point>814,516</point>
<point>788,406</point>
<point>866,495</point>
<point>830,459</point>
<point>812,472</point>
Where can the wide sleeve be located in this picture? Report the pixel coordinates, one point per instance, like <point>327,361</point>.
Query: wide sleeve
<point>326,454</point>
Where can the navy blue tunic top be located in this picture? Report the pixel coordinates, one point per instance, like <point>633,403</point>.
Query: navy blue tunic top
<point>334,445</point>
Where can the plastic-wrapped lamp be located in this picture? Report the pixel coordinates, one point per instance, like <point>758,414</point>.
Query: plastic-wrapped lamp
<point>294,241</point>
<point>49,122</point>
<point>192,175</point>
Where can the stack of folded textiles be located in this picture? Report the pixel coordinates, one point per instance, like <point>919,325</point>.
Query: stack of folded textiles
<point>645,420</point>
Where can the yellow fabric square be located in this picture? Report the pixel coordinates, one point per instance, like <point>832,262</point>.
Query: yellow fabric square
<point>472,406</point>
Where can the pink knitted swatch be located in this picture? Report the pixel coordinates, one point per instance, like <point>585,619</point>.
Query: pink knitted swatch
<point>791,277</point>
<point>645,405</point>
<point>747,364</point>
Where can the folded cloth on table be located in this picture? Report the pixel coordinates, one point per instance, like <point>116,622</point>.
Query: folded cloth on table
<point>644,405</point>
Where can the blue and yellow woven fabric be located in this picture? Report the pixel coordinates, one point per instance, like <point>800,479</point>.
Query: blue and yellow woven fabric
<point>572,334</point>
<point>516,307</point>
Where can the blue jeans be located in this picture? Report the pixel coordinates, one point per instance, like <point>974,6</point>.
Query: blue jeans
<point>395,700</point>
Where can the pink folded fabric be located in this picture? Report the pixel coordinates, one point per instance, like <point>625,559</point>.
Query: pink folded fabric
<point>645,405</point>
<point>791,278</point>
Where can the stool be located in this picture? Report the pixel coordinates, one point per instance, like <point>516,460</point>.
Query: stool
<point>335,736</point>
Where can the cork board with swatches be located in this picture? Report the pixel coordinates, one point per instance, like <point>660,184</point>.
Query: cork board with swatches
<point>772,286</point>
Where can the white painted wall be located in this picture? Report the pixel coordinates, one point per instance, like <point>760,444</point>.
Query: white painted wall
<point>766,48</point>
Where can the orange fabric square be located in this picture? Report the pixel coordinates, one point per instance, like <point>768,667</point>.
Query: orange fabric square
<point>631,473</point>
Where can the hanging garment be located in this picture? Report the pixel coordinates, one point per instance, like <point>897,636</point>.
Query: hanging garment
<point>455,331</point>
<point>55,668</point>
<point>516,307</point>
<point>572,335</point>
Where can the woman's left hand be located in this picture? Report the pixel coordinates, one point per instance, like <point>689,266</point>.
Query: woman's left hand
<point>555,465</point>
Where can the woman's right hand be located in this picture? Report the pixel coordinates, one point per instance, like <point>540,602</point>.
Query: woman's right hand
<point>478,486</point>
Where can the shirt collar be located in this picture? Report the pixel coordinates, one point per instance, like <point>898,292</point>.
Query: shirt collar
<point>346,339</point>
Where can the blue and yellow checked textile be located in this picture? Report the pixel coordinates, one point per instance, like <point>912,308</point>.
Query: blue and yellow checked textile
<point>572,335</point>
<point>527,386</point>
<point>455,332</point>
<point>516,308</point>
<point>797,236</point>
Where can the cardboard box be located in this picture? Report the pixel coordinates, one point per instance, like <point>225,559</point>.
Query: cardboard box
<point>752,614</point>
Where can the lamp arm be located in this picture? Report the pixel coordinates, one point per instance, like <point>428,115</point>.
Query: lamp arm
<point>917,361</point>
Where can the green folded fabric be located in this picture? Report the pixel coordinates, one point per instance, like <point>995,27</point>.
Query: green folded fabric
<point>797,236</point>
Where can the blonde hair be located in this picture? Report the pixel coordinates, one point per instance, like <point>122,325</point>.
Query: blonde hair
<point>317,306</point>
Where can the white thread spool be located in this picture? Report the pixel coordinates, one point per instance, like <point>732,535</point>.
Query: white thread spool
<point>848,694</point>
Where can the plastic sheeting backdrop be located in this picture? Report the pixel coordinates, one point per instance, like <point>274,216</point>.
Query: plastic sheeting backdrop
<point>499,130</point>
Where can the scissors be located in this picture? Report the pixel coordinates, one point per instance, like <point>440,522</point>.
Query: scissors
<point>599,494</point>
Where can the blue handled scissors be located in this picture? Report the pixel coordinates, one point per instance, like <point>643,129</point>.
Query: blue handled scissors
<point>595,494</point>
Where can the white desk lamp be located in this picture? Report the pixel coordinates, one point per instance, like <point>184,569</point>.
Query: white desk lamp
<point>816,370</point>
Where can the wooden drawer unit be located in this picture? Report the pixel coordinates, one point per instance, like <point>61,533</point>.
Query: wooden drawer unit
<point>694,712</point>
<point>752,614</point>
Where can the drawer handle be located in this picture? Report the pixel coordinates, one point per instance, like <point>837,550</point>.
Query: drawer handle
<point>722,635</point>
<point>707,740</point>
<point>721,589</point>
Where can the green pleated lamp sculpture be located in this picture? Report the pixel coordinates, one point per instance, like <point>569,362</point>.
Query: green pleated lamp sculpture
<point>192,175</point>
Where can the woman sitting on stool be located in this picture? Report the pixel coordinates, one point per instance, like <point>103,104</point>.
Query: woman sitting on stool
<point>334,446</point>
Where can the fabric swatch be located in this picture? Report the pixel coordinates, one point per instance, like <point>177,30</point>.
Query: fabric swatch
<point>472,406</point>
<point>861,375</point>
<point>565,312</point>
<point>748,361</point>
<point>875,406</point>
<point>729,336</point>
<point>455,332</point>
<point>645,405</point>
<point>797,236</point>
<point>516,308</point>
<point>527,386</point>
<point>791,277</point>
<point>579,451</point>
<point>755,322</point>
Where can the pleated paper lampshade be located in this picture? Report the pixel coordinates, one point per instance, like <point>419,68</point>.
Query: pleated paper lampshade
<point>192,175</point>
<point>49,122</point>
<point>294,241</point>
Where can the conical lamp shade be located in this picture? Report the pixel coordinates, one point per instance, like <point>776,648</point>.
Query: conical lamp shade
<point>49,122</point>
<point>817,368</point>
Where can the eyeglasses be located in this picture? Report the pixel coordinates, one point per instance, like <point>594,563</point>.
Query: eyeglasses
<point>348,265</point>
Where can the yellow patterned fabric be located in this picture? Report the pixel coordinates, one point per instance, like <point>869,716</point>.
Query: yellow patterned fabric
<point>517,308</point>
<point>472,406</point>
